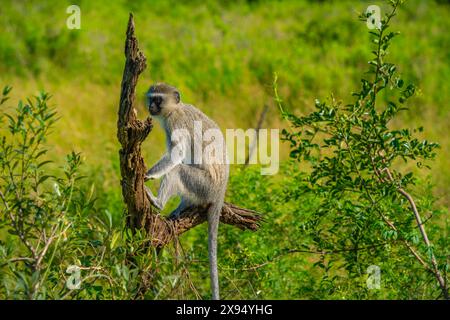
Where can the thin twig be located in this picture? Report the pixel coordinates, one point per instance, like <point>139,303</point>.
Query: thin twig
<point>321,252</point>
<point>426,240</point>
<point>252,148</point>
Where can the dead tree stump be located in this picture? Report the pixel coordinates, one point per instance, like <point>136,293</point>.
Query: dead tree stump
<point>131,132</point>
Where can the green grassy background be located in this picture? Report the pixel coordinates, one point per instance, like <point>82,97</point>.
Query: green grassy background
<point>222,56</point>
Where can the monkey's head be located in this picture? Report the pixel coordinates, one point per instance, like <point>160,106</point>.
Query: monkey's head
<point>162,99</point>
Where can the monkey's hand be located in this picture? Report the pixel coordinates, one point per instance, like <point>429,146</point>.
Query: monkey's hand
<point>162,167</point>
<point>153,200</point>
<point>149,176</point>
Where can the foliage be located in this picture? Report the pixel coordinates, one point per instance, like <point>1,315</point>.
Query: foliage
<point>51,231</point>
<point>354,153</point>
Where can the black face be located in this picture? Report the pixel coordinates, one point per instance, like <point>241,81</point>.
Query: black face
<point>155,104</point>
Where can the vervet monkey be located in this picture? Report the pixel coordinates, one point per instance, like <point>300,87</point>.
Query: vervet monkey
<point>187,170</point>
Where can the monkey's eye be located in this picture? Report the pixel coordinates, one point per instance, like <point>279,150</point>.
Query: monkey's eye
<point>157,100</point>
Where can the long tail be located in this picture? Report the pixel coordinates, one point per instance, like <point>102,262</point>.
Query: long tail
<point>213,228</point>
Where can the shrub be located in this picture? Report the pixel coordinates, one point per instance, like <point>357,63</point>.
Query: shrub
<point>54,242</point>
<point>353,159</point>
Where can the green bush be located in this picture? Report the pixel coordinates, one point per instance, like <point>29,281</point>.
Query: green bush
<point>50,227</point>
<point>354,159</point>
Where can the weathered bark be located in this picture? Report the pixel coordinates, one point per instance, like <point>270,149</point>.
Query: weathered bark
<point>131,132</point>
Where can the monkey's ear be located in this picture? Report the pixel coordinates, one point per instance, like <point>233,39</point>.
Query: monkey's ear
<point>177,96</point>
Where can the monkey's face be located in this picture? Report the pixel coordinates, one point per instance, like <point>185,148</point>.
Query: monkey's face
<point>162,99</point>
<point>155,103</point>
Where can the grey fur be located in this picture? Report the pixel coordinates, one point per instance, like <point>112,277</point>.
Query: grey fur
<point>196,183</point>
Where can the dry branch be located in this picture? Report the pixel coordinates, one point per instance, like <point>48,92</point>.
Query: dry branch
<point>131,132</point>
<point>252,149</point>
